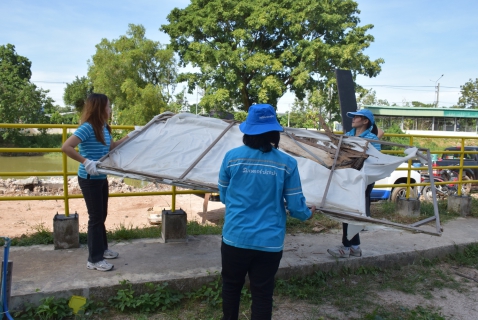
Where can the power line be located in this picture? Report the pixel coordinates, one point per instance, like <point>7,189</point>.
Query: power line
<point>396,86</point>
<point>417,90</point>
<point>49,82</point>
<point>369,85</point>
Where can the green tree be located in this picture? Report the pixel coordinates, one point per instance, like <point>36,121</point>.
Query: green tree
<point>76,93</point>
<point>418,104</point>
<point>305,112</point>
<point>240,116</point>
<point>395,129</point>
<point>469,95</point>
<point>137,74</point>
<point>253,51</point>
<point>20,100</point>
<point>369,98</point>
<point>56,118</point>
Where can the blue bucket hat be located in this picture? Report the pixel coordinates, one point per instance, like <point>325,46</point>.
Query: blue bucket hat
<point>260,119</point>
<point>364,113</point>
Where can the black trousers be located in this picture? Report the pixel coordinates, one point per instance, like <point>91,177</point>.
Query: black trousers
<point>95,192</point>
<point>355,241</point>
<point>261,267</point>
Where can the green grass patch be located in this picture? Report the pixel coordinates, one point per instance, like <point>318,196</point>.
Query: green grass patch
<point>126,233</point>
<point>357,290</point>
<point>194,228</point>
<point>40,235</point>
<point>402,313</point>
<point>388,210</point>
<point>318,223</point>
<point>468,257</point>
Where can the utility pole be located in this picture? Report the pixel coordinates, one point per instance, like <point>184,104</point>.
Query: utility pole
<point>288,118</point>
<point>437,90</point>
<point>438,94</point>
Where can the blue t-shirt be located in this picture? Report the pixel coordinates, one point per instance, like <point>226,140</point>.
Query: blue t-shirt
<point>253,185</point>
<point>367,135</point>
<point>90,148</point>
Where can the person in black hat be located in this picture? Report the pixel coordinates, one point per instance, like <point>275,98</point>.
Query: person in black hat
<point>254,181</point>
<point>363,123</point>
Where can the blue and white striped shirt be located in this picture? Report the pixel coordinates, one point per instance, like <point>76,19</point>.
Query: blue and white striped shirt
<point>367,135</point>
<point>90,148</point>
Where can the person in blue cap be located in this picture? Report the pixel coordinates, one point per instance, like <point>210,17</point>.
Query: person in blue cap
<point>363,123</point>
<point>254,181</point>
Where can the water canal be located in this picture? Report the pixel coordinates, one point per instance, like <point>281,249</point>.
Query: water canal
<point>46,163</point>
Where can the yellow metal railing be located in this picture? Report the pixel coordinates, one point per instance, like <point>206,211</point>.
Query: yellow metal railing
<point>462,152</point>
<point>64,173</point>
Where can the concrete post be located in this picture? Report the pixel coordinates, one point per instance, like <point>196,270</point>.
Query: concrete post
<point>459,204</point>
<point>408,207</point>
<point>66,231</point>
<point>173,226</point>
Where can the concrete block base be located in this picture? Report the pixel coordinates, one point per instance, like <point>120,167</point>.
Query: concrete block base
<point>460,204</point>
<point>408,207</point>
<point>66,231</point>
<point>174,226</point>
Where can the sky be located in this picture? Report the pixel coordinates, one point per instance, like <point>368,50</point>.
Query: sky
<point>425,43</point>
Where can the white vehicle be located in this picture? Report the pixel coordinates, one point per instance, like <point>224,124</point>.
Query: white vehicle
<point>397,177</point>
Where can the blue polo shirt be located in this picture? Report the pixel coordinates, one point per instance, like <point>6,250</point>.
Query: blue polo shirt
<point>253,185</point>
<point>90,148</point>
<point>367,135</point>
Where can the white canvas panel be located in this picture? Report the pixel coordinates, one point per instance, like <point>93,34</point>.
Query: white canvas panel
<point>166,149</point>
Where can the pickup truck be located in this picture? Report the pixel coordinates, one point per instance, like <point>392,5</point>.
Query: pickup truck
<point>450,159</point>
<point>393,193</point>
<point>387,193</point>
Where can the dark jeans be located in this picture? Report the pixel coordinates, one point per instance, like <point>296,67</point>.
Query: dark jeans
<point>355,241</point>
<point>95,192</point>
<point>261,267</point>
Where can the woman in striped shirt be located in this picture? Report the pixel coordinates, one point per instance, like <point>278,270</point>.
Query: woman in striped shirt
<point>93,138</point>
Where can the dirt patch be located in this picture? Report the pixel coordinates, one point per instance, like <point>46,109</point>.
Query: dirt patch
<point>19,217</point>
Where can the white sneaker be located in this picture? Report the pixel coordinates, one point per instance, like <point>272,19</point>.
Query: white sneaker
<point>108,254</point>
<point>340,252</point>
<point>355,252</point>
<point>102,265</point>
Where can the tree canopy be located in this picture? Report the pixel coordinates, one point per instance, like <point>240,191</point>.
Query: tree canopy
<point>304,113</point>
<point>20,100</point>
<point>76,93</point>
<point>469,95</point>
<point>137,74</point>
<point>254,51</point>
<point>369,98</point>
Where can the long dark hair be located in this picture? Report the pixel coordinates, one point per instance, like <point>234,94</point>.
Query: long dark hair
<point>264,141</point>
<point>94,113</point>
<point>374,129</point>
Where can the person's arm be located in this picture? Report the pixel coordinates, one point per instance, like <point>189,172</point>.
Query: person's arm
<point>380,133</point>
<point>223,181</point>
<point>69,146</point>
<point>312,211</point>
<point>114,144</point>
<point>295,198</point>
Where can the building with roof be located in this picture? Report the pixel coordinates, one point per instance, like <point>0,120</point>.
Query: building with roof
<point>427,120</point>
